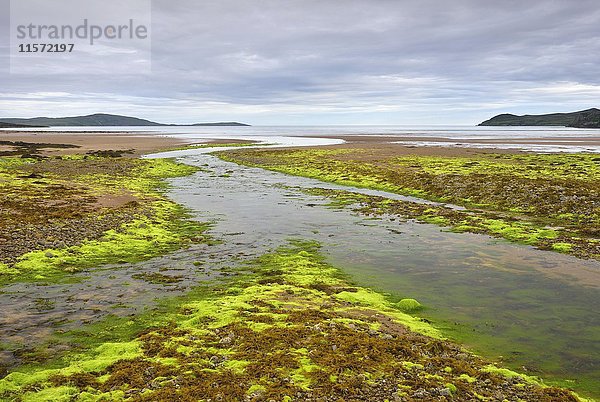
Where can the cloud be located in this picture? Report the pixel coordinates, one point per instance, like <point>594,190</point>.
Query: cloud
<point>340,61</point>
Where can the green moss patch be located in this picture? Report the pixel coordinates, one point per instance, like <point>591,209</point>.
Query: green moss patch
<point>96,210</point>
<point>409,305</point>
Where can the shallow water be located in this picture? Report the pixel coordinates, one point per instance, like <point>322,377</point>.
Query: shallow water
<point>32,312</point>
<point>537,309</point>
<point>301,135</point>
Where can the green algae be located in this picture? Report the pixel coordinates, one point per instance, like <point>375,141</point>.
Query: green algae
<point>562,247</point>
<point>409,305</point>
<point>99,359</point>
<point>256,388</point>
<point>525,193</point>
<point>490,223</point>
<point>154,225</point>
<point>413,366</point>
<point>532,166</point>
<point>317,339</point>
<point>451,387</point>
<point>467,378</point>
<point>141,239</point>
<point>58,394</point>
<point>518,231</point>
<point>435,220</point>
<point>371,299</point>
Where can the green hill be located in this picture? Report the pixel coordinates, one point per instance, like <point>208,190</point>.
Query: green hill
<point>589,118</point>
<point>12,125</point>
<point>99,119</point>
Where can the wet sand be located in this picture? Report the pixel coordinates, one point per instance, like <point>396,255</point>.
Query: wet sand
<point>571,141</point>
<point>88,141</point>
<point>442,146</point>
<point>383,146</point>
<point>142,143</point>
<point>147,143</point>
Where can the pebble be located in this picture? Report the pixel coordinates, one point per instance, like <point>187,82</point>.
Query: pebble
<point>444,392</point>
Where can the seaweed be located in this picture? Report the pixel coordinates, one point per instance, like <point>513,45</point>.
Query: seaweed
<point>313,337</point>
<point>96,210</point>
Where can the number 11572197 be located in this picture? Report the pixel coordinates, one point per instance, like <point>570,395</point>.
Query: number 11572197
<point>46,47</point>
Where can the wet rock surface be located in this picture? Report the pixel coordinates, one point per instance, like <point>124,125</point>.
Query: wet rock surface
<point>61,233</point>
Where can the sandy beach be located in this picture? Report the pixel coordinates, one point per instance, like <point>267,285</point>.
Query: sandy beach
<point>86,141</point>
<point>140,143</point>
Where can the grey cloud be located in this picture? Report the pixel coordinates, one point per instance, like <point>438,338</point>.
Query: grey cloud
<point>333,56</point>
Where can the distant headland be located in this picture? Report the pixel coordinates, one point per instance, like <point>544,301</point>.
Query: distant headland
<point>12,125</point>
<point>97,119</point>
<point>589,118</point>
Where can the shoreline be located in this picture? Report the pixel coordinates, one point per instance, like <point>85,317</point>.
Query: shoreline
<point>139,143</point>
<point>467,140</point>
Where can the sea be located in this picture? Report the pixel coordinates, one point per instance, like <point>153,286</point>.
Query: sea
<point>535,139</point>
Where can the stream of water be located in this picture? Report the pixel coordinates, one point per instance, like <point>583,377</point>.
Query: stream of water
<point>535,310</point>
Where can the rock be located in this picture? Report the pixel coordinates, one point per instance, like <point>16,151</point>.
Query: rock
<point>226,340</point>
<point>444,392</point>
<point>421,394</point>
<point>409,305</point>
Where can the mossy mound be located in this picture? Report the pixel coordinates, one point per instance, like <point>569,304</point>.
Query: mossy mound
<point>409,305</point>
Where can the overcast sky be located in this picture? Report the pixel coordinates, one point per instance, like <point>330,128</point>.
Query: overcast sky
<point>335,62</point>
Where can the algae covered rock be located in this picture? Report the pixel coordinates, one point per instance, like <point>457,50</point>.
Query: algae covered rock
<point>409,305</point>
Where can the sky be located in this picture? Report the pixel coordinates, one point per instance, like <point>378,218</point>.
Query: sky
<point>305,62</point>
